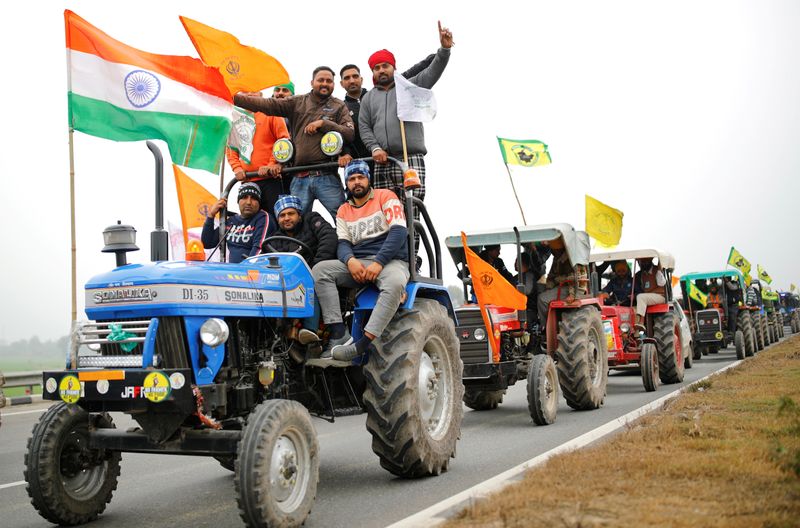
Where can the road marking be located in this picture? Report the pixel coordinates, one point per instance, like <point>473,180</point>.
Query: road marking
<point>24,412</point>
<point>19,483</point>
<point>441,511</point>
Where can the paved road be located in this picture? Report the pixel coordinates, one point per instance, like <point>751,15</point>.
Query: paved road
<point>156,491</point>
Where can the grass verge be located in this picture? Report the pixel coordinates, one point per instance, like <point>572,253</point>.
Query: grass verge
<point>726,455</point>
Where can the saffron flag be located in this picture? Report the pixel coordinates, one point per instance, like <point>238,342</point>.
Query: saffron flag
<point>763,275</point>
<point>120,93</point>
<point>697,295</point>
<point>181,241</point>
<point>524,152</point>
<point>738,261</point>
<point>490,287</point>
<point>603,222</point>
<point>194,201</point>
<point>414,103</point>
<point>244,68</point>
<point>242,133</point>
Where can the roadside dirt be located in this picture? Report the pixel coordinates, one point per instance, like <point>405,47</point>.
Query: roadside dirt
<point>725,454</point>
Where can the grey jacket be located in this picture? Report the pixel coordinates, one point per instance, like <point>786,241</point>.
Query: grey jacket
<point>378,123</point>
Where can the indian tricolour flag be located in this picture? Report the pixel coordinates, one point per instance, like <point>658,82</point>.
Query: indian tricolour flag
<point>120,93</point>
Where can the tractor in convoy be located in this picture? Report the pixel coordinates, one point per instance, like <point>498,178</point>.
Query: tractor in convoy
<point>790,310</point>
<point>773,314</point>
<point>201,355</point>
<point>568,351</point>
<point>658,347</point>
<point>724,319</point>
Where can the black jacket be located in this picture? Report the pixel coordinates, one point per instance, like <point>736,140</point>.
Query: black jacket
<point>316,233</point>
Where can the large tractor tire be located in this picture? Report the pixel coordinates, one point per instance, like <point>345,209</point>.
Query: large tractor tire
<point>758,331</point>
<point>738,340</point>
<point>781,328</point>
<point>68,482</point>
<point>744,323</point>
<point>543,390</point>
<point>277,465</point>
<point>697,351</point>
<point>795,324</point>
<point>765,330</point>
<point>414,392</point>
<point>483,400</point>
<point>667,330</point>
<point>582,358</point>
<point>648,362</point>
<point>688,357</point>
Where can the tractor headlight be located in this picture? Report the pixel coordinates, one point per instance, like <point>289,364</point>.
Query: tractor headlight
<point>624,328</point>
<point>479,334</point>
<point>716,321</point>
<point>701,322</point>
<point>214,332</point>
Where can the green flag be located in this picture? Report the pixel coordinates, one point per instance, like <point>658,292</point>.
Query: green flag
<point>524,152</point>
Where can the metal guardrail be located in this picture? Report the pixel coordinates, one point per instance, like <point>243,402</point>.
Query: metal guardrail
<point>28,379</point>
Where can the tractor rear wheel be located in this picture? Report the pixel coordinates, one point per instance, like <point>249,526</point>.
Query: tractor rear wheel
<point>483,400</point>
<point>794,325</point>
<point>277,465</point>
<point>765,330</point>
<point>667,330</point>
<point>543,390</point>
<point>738,340</point>
<point>582,358</point>
<point>758,331</point>
<point>649,366</point>
<point>68,482</point>
<point>745,324</point>
<point>414,392</point>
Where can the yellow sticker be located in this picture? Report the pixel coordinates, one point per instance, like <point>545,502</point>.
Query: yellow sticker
<point>156,387</point>
<point>282,149</point>
<point>331,143</point>
<point>718,335</point>
<point>69,389</point>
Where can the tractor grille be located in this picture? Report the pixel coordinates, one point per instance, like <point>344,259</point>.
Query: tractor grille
<point>709,322</point>
<point>472,350</point>
<point>170,344</point>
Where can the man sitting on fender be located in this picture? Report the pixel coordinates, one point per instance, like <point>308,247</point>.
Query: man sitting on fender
<point>373,247</point>
<point>311,229</point>
<point>649,285</point>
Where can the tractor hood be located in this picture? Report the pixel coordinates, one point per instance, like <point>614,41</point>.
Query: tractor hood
<point>252,288</point>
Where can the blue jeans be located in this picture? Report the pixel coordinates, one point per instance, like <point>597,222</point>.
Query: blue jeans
<point>327,188</point>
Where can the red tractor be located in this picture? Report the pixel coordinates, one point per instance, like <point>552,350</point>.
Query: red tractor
<point>654,342</point>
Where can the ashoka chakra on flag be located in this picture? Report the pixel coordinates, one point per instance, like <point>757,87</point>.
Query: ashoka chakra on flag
<point>141,88</point>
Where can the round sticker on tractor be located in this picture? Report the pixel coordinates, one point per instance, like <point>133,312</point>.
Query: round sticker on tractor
<point>718,335</point>
<point>69,389</point>
<point>177,380</point>
<point>283,150</point>
<point>50,385</point>
<point>102,386</point>
<point>332,143</point>
<point>156,387</point>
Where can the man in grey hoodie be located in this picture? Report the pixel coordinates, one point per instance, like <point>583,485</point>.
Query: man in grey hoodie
<point>378,123</point>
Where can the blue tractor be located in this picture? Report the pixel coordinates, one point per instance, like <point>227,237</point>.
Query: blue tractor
<point>790,310</point>
<point>201,355</point>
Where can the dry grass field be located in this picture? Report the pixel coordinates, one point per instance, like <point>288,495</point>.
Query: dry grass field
<point>725,454</point>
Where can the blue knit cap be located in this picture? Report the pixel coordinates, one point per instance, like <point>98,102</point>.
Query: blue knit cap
<point>356,167</point>
<point>285,201</point>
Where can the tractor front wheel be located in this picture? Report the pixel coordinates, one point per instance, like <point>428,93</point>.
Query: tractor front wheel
<point>667,332</point>
<point>543,390</point>
<point>648,362</point>
<point>68,482</point>
<point>483,400</point>
<point>414,392</point>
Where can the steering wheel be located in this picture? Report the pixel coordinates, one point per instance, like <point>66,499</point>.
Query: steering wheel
<point>266,243</point>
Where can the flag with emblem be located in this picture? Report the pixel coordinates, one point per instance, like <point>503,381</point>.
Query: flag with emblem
<point>697,295</point>
<point>763,275</point>
<point>244,68</point>
<point>121,93</point>
<point>194,201</point>
<point>603,222</point>
<point>243,130</point>
<point>491,288</point>
<point>738,261</point>
<point>524,152</point>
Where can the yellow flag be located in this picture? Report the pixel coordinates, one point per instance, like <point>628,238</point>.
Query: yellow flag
<point>524,152</point>
<point>792,287</point>
<point>603,223</point>
<point>244,68</point>
<point>697,295</point>
<point>194,201</point>
<point>738,261</point>
<point>763,275</point>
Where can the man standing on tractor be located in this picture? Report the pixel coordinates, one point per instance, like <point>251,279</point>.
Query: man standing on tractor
<point>564,282</point>
<point>246,230</point>
<point>373,248</point>
<point>311,229</point>
<point>310,115</point>
<point>649,287</point>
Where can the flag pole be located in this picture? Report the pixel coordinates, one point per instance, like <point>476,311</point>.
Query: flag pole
<point>72,226</point>
<point>515,193</point>
<point>403,136</point>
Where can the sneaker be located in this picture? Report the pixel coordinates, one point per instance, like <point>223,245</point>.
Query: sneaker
<point>345,352</point>
<point>346,339</point>
<point>306,337</point>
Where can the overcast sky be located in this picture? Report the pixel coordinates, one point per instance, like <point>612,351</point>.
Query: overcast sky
<point>683,114</point>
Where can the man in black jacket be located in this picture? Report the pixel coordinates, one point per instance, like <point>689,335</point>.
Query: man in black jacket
<point>311,229</point>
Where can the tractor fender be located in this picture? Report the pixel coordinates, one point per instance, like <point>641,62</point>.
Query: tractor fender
<point>554,316</point>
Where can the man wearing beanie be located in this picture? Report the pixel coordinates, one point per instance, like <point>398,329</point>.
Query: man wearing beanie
<point>246,230</point>
<point>309,228</point>
<point>310,116</point>
<point>378,123</point>
<point>268,130</point>
<point>371,227</point>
